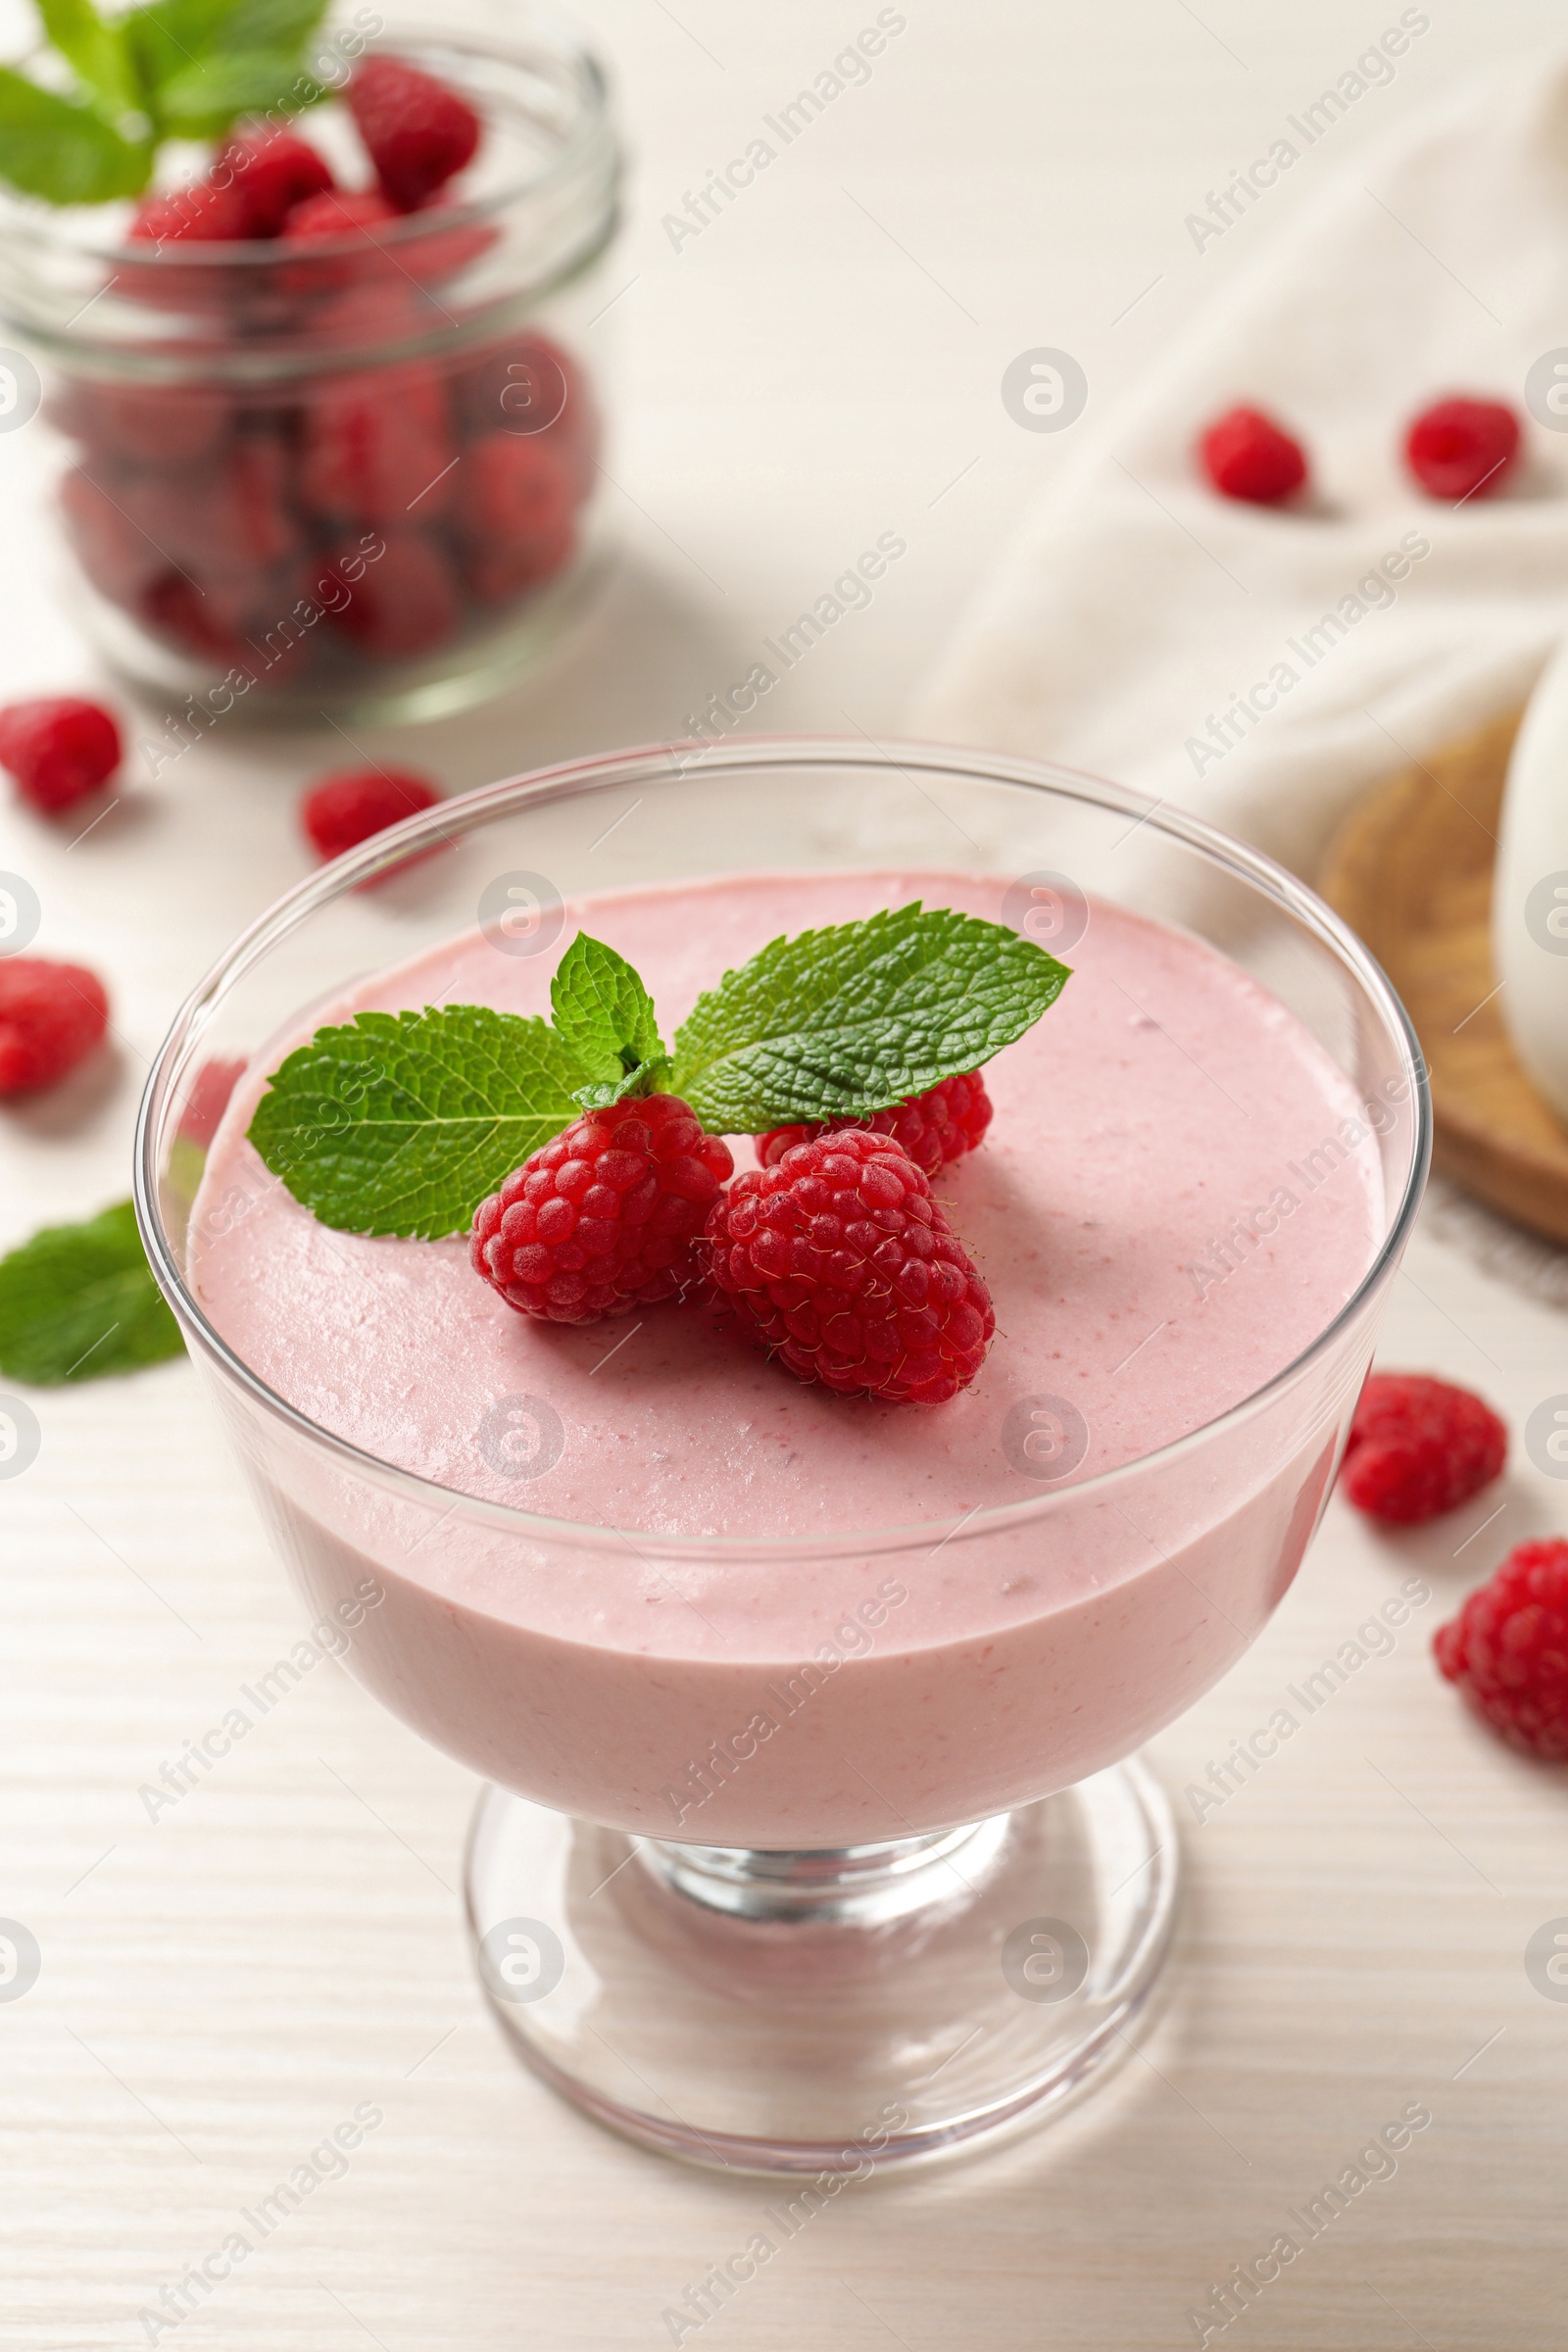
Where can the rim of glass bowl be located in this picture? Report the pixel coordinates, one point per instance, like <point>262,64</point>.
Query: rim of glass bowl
<point>536,28</point>
<point>649,767</point>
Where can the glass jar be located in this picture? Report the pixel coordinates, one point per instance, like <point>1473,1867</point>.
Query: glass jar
<point>356,474</point>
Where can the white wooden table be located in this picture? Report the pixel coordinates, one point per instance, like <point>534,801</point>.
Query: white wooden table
<point>222,1987</point>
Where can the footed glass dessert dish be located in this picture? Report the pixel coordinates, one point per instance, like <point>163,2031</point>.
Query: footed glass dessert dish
<point>815,1838</point>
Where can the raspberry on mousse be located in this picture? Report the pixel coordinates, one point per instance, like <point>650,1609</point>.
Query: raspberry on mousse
<point>935,1128</point>
<point>606,1217</point>
<point>844,1266</point>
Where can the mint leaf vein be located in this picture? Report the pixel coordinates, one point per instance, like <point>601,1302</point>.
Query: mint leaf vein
<point>401,1123</point>
<point>850,1019</point>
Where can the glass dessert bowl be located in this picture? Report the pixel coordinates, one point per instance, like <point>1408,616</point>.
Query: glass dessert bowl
<point>816,1837</point>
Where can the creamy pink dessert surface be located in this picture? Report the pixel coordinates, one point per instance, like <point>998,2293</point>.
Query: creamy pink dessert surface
<point>1164,1226</point>
<point>1162,1096</point>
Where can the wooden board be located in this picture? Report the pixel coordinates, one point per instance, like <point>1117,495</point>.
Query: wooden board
<point>1411,870</point>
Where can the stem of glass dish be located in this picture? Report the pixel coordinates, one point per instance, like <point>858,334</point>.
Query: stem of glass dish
<point>860,1884</point>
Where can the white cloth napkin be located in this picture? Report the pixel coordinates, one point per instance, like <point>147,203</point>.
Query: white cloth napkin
<point>1137,604</point>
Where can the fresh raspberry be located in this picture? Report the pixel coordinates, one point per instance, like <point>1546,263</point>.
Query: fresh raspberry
<point>236,515</point>
<point>336,242</point>
<point>842,1262</point>
<point>252,510</point>
<point>228,516</point>
<point>51,1016</point>
<point>1460,448</point>
<point>404,601</point>
<point>342,810</point>
<point>377,446</point>
<point>514,488</point>
<point>1418,1447</point>
<point>213,611</point>
<point>1248,456</point>
<point>515,512</point>
<point>202,213</point>
<point>530,388</point>
<point>416,130</point>
<point>58,749</point>
<point>605,1218</point>
<point>935,1128</point>
<point>338,212</point>
<point>270,172</point>
<point>1507,1650</point>
<point>523,384</point>
<point>197,617</point>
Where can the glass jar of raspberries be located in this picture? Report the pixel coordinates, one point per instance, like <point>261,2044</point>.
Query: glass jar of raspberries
<point>330,414</point>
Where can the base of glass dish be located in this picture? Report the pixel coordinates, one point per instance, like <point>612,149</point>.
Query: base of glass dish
<point>829,2012</point>
<point>472,669</point>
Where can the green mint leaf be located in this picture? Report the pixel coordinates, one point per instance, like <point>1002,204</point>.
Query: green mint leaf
<point>647,1078</point>
<point>202,100</point>
<point>850,1019</point>
<point>96,50</point>
<point>79,1300</point>
<point>269,25</point>
<point>401,1123</point>
<point>204,62</point>
<point>52,147</point>
<point>165,36</point>
<point>604,1016</point>
<point>187,68</point>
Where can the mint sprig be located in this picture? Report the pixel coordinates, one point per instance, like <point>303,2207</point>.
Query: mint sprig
<point>79,1300</point>
<point>402,1123</point>
<point>851,1019</point>
<point>170,69</point>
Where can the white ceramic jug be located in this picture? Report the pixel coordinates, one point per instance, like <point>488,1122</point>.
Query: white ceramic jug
<point>1529,892</point>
